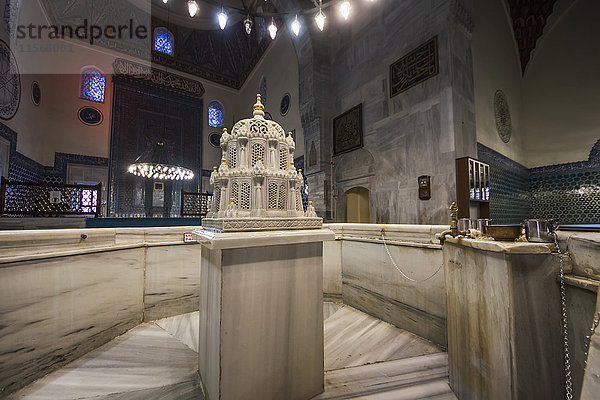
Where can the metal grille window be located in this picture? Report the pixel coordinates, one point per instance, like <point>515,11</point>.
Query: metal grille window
<point>217,196</point>
<point>273,195</point>
<point>283,158</point>
<point>282,196</point>
<point>235,189</point>
<point>245,196</point>
<point>258,150</point>
<point>232,155</point>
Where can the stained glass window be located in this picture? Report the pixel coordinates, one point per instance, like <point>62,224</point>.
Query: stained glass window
<point>215,114</point>
<point>93,83</point>
<point>164,41</point>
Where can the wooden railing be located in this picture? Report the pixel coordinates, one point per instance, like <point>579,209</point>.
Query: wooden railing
<point>49,199</point>
<point>194,204</point>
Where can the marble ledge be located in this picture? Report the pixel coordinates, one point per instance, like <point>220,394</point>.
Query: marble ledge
<point>17,246</point>
<point>389,242</point>
<point>584,283</point>
<point>401,232</point>
<point>233,240</point>
<point>504,246</point>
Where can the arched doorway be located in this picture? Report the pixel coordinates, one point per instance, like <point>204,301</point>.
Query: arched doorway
<point>358,208</point>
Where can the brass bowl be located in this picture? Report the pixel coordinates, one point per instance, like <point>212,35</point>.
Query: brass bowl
<point>503,232</point>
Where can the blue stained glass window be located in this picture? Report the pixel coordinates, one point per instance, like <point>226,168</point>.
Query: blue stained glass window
<point>215,114</point>
<point>164,41</point>
<point>93,83</point>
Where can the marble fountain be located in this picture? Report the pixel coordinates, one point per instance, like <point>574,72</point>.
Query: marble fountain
<point>268,303</point>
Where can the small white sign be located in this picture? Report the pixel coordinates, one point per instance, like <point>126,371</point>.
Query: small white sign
<point>188,238</point>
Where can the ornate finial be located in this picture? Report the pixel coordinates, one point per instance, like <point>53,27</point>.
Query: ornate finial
<point>258,105</point>
<point>259,159</point>
<point>232,201</point>
<point>224,130</point>
<point>300,171</point>
<point>215,169</point>
<point>223,161</point>
<point>453,209</point>
<point>289,133</point>
<point>310,204</point>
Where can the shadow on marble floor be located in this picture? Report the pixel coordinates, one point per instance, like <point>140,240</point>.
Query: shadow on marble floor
<point>365,358</point>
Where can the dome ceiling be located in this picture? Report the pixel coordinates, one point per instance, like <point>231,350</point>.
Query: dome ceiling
<point>201,48</point>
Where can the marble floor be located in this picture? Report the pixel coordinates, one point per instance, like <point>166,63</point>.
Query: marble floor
<point>365,358</point>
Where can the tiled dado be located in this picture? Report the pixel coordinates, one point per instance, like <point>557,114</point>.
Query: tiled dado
<point>568,193</point>
<point>62,296</point>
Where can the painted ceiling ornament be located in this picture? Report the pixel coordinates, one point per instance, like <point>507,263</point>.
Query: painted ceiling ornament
<point>257,186</point>
<point>10,83</point>
<point>502,114</point>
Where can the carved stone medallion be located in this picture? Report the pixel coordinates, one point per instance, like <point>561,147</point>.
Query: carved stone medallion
<point>502,113</point>
<point>10,83</point>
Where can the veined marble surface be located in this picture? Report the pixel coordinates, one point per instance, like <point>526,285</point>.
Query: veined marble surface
<point>371,283</point>
<point>140,364</point>
<point>353,338</point>
<point>172,284</point>
<point>55,310</point>
<point>149,363</point>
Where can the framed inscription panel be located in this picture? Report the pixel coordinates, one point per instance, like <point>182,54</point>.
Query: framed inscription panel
<point>414,68</point>
<point>348,131</point>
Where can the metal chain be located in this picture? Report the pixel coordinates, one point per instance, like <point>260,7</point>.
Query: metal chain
<point>563,299</point>
<point>398,268</point>
<point>588,338</point>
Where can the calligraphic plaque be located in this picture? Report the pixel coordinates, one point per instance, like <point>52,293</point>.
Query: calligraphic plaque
<point>414,68</point>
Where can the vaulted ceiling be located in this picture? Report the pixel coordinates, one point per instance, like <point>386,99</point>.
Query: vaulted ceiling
<point>529,17</point>
<point>201,48</point>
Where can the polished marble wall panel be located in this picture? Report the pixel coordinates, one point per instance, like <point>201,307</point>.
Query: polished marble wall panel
<point>332,270</point>
<point>172,283</point>
<point>261,324</point>
<point>56,309</point>
<point>504,325</point>
<point>371,283</point>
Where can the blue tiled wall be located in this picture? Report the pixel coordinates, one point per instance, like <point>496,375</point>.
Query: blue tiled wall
<point>568,193</point>
<point>509,187</point>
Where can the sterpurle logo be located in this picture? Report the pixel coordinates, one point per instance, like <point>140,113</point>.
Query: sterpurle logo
<point>84,31</point>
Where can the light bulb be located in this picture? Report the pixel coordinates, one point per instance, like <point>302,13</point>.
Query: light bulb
<point>192,8</point>
<point>248,25</point>
<point>165,1</point>
<point>345,8</point>
<point>320,20</point>
<point>296,26</point>
<point>222,19</point>
<point>272,29</point>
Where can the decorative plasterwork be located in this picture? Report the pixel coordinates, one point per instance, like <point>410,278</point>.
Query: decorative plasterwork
<point>130,70</point>
<point>529,18</point>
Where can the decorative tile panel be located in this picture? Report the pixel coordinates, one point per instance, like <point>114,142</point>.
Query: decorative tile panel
<point>509,187</point>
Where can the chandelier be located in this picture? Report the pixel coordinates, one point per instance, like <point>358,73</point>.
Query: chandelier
<point>344,7</point>
<point>153,164</point>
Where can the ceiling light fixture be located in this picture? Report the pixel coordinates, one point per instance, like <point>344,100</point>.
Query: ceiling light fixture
<point>320,18</point>
<point>154,164</point>
<point>248,24</point>
<point>345,8</point>
<point>222,17</point>
<point>272,29</point>
<point>296,26</point>
<point>193,8</point>
<point>165,1</point>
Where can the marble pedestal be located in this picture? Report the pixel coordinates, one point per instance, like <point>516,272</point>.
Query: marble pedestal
<point>504,320</point>
<point>261,317</point>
